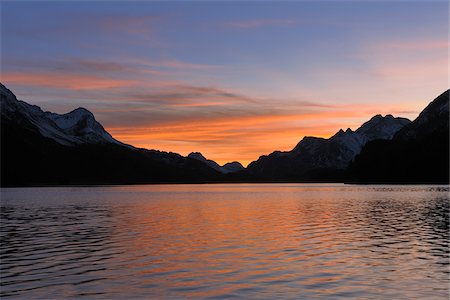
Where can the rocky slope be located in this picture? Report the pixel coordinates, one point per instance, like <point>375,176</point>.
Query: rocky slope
<point>418,153</point>
<point>316,157</point>
<point>76,127</point>
<point>43,148</point>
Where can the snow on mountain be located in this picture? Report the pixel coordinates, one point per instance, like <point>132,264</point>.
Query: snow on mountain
<point>342,147</point>
<point>417,153</point>
<point>225,169</point>
<point>380,127</point>
<point>313,153</point>
<point>345,145</point>
<point>81,123</point>
<point>76,127</point>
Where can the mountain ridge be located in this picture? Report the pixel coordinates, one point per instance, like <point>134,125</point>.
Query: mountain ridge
<point>75,127</point>
<point>332,154</point>
<point>45,148</point>
<point>35,151</point>
<point>418,153</point>
<point>229,167</point>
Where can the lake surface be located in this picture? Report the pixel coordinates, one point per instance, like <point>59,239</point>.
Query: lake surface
<point>251,241</point>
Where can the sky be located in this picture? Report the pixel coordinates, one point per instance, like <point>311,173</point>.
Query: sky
<point>230,79</point>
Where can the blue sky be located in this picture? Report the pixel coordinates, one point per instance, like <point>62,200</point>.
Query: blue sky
<point>232,79</point>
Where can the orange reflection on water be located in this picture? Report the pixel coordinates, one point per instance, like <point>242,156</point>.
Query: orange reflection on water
<point>247,240</point>
<point>228,237</point>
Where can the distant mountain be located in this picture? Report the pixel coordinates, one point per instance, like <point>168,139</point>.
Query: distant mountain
<point>418,153</point>
<point>225,169</point>
<point>43,148</point>
<point>232,167</point>
<point>324,159</point>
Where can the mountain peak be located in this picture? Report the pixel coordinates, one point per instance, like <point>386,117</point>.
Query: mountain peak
<point>5,91</point>
<point>80,117</point>
<point>342,133</point>
<point>197,156</point>
<point>76,127</point>
<point>434,117</point>
<point>80,111</point>
<point>226,168</point>
<point>377,117</point>
<point>379,127</point>
<point>231,167</point>
<point>418,152</point>
<point>334,153</point>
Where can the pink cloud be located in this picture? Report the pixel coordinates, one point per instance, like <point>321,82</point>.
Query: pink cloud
<point>63,81</point>
<point>425,45</point>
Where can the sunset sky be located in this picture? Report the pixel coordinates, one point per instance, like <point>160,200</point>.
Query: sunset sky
<point>233,80</point>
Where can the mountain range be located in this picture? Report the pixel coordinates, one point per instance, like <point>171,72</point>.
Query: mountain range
<point>45,148</point>
<point>42,148</point>
<point>227,168</point>
<point>417,153</point>
<point>324,159</point>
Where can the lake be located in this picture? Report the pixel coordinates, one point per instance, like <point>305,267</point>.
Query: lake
<point>250,241</point>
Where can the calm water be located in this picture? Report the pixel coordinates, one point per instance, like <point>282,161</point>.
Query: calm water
<point>217,241</point>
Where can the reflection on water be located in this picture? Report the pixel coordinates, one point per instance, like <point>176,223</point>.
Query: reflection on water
<point>217,241</point>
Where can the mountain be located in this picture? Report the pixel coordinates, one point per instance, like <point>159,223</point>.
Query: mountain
<point>225,169</point>
<point>43,148</point>
<point>418,153</point>
<point>232,167</point>
<point>434,118</point>
<point>76,127</point>
<point>324,159</point>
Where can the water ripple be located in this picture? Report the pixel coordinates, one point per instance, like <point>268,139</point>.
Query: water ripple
<point>225,241</point>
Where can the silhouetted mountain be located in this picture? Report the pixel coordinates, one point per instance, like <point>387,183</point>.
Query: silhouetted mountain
<point>418,153</point>
<point>319,159</point>
<point>225,169</point>
<point>232,167</point>
<point>434,118</point>
<point>42,148</point>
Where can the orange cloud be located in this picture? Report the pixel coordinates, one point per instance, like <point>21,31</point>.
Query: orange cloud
<point>171,63</point>
<point>226,139</point>
<point>224,125</point>
<point>63,80</point>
